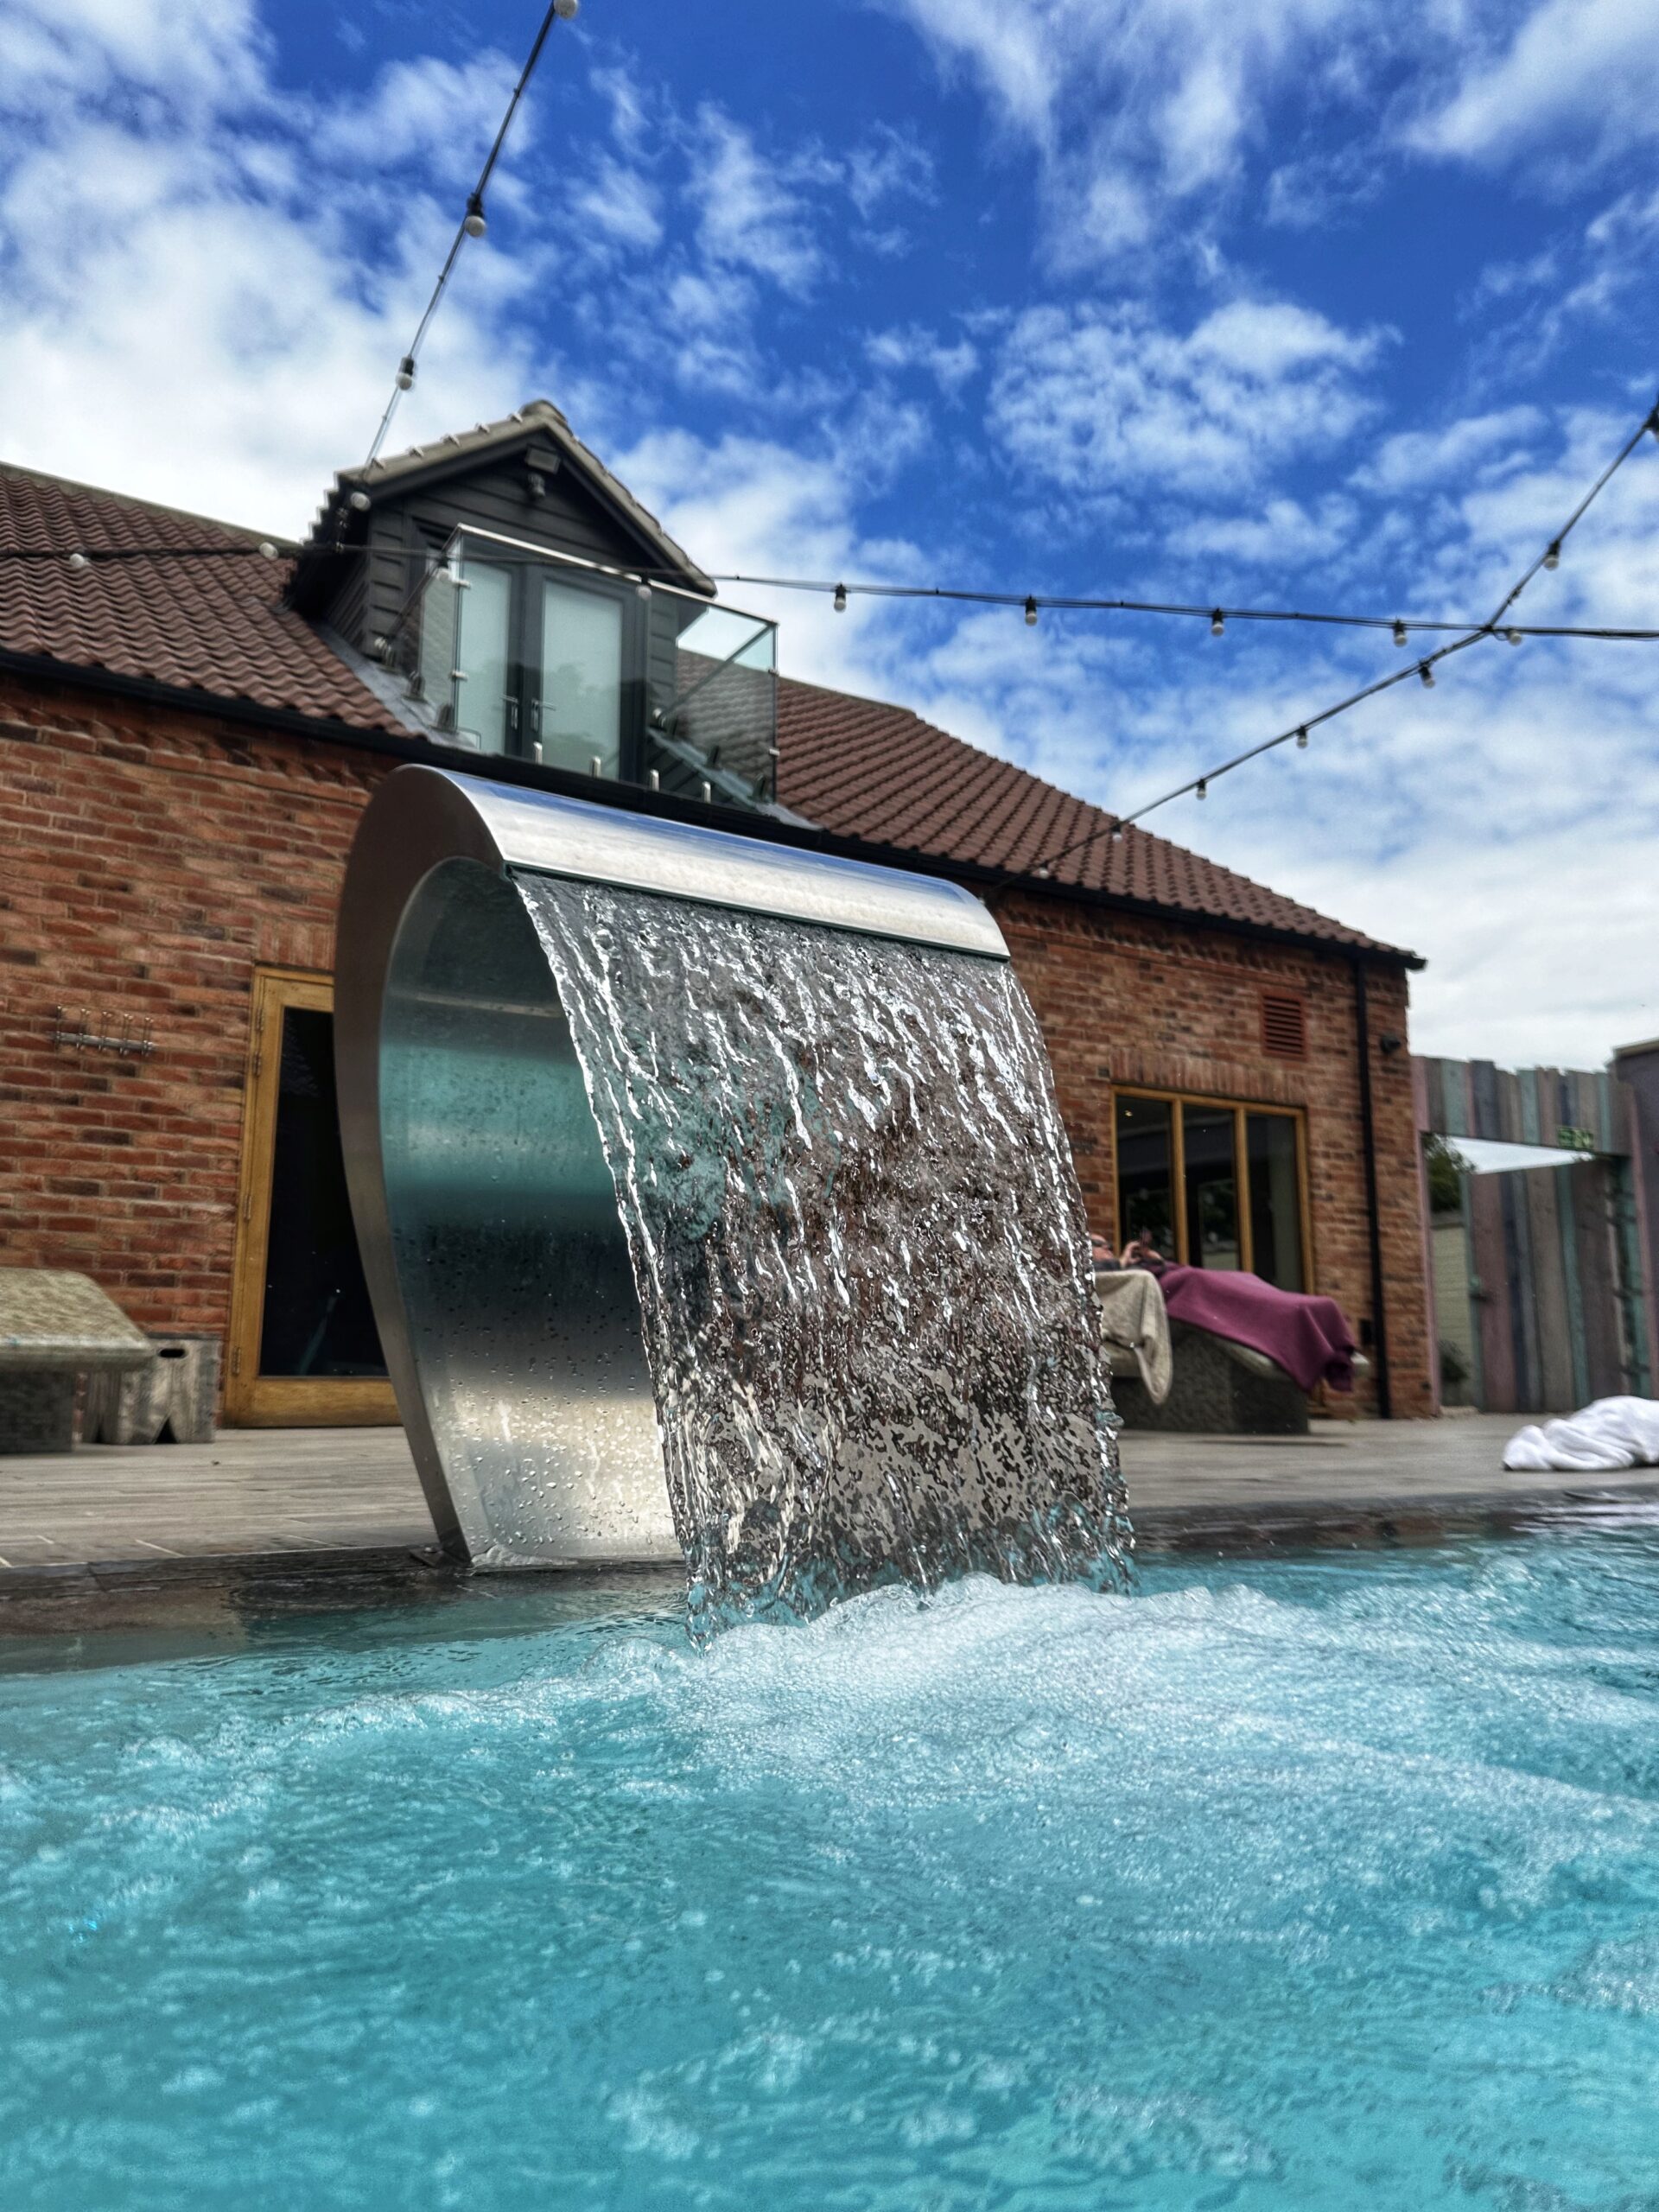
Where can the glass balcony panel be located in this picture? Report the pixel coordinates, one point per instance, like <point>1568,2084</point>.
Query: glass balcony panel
<point>582,679</point>
<point>433,688</point>
<point>725,706</point>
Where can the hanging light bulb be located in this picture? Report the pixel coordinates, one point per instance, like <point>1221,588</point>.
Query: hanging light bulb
<point>566,10</point>
<point>473,222</point>
<point>1511,637</point>
<point>79,561</point>
<point>1031,614</point>
<point>1552,558</point>
<point>406,373</point>
<point>1117,831</point>
<point>642,589</point>
<point>840,601</point>
<point>359,502</point>
<point>267,550</point>
<point>1301,740</point>
<point>1217,623</point>
<point>1428,675</point>
<point>1201,789</point>
<point>1398,632</point>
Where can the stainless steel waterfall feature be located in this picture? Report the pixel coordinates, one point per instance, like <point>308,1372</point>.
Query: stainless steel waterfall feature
<point>485,1206</point>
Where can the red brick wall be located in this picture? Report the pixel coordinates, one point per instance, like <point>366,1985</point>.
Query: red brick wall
<point>149,860</point>
<point>1124,1000</point>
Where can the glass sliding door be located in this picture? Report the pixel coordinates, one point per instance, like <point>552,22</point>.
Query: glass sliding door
<point>579,723</point>
<point>1209,1180</point>
<point>1145,1172</point>
<point>304,1351</point>
<point>486,710</point>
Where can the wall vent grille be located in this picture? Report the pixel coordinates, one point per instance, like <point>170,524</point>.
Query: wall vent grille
<point>1284,1027</point>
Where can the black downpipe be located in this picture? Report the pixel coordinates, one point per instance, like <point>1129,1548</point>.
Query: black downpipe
<point>1367,1145</point>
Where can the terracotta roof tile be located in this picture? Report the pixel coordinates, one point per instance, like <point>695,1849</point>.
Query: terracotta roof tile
<point>854,766</point>
<point>211,626</point>
<point>863,769</point>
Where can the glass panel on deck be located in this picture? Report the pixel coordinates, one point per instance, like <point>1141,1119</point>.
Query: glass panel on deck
<point>723,716</point>
<point>1145,1174</point>
<point>317,1318</point>
<point>1211,1193</point>
<point>1276,1198</point>
<point>582,680</point>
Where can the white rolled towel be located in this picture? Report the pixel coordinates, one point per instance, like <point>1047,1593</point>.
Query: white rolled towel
<point>1613,1432</point>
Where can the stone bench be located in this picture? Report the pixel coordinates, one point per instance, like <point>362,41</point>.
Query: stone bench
<point>55,1328</point>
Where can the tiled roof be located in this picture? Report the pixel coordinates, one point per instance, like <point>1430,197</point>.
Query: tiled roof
<point>862,769</point>
<point>855,767</point>
<point>214,626</point>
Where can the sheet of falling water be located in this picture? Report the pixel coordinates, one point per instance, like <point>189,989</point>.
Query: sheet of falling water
<point>859,1246</point>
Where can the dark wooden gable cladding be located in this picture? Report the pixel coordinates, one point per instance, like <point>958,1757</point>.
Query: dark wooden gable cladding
<point>412,519</point>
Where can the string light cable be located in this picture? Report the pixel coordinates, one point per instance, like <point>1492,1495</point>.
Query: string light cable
<point>473,224</point>
<point>1495,625</point>
<point>1030,603</point>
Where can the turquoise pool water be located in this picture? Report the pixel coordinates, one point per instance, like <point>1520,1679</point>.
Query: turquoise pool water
<point>1325,1883</point>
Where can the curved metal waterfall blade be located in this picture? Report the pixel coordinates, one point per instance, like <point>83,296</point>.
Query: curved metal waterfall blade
<point>859,1248</point>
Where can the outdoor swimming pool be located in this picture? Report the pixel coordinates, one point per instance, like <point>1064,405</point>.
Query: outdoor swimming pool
<point>1325,1882</point>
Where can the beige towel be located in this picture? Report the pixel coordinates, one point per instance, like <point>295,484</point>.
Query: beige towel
<point>1132,1317</point>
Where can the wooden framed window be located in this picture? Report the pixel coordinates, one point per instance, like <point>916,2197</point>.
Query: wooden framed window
<point>303,1350</point>
<point>1214,1183</point>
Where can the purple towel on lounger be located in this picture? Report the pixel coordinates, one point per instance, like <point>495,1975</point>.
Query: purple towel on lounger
<point>1309,1336</point>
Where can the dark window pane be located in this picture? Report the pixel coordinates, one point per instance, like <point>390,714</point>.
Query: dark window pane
<point>1212,1186</point>
<point>1276,1198</point>
<point>317,1317</point>
<point>1145,1207</point>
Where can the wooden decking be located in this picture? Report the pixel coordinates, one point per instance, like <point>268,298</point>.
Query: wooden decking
<point>297,1492</point>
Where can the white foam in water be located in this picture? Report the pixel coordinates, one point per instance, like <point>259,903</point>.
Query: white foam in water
<point>859,1247</point>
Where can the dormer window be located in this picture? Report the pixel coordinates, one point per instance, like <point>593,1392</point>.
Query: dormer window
<point>520,604</point>
<point>509,650</point>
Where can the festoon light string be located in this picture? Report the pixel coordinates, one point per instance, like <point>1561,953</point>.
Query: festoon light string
<point>473,224</point>
<point>1493,626</point>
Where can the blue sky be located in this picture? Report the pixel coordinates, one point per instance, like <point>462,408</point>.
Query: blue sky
<point>1302,302</point>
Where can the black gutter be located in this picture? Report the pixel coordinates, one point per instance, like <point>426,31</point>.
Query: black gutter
<point>637,800</point>
<point>1367,1145</point>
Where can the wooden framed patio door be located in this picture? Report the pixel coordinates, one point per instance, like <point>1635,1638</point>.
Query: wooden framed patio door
<point>303,1350</point>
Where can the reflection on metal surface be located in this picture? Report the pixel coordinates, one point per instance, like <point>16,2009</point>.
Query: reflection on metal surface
<point>485,1212</point>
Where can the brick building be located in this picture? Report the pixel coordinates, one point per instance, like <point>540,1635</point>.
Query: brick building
<point>190,722</point>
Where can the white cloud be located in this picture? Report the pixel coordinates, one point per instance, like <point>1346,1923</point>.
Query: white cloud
<point>205,55</point>
<point>751,216</point>
<point>1441,460</point>
<point>1105,398</point>
<point>1132,105</point>
<point>207,288</point>
<point>1584,71</point>
<point>1285,536</point>
<point>621,204</point>
<point>428,109</point>
<point>916,348</point>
